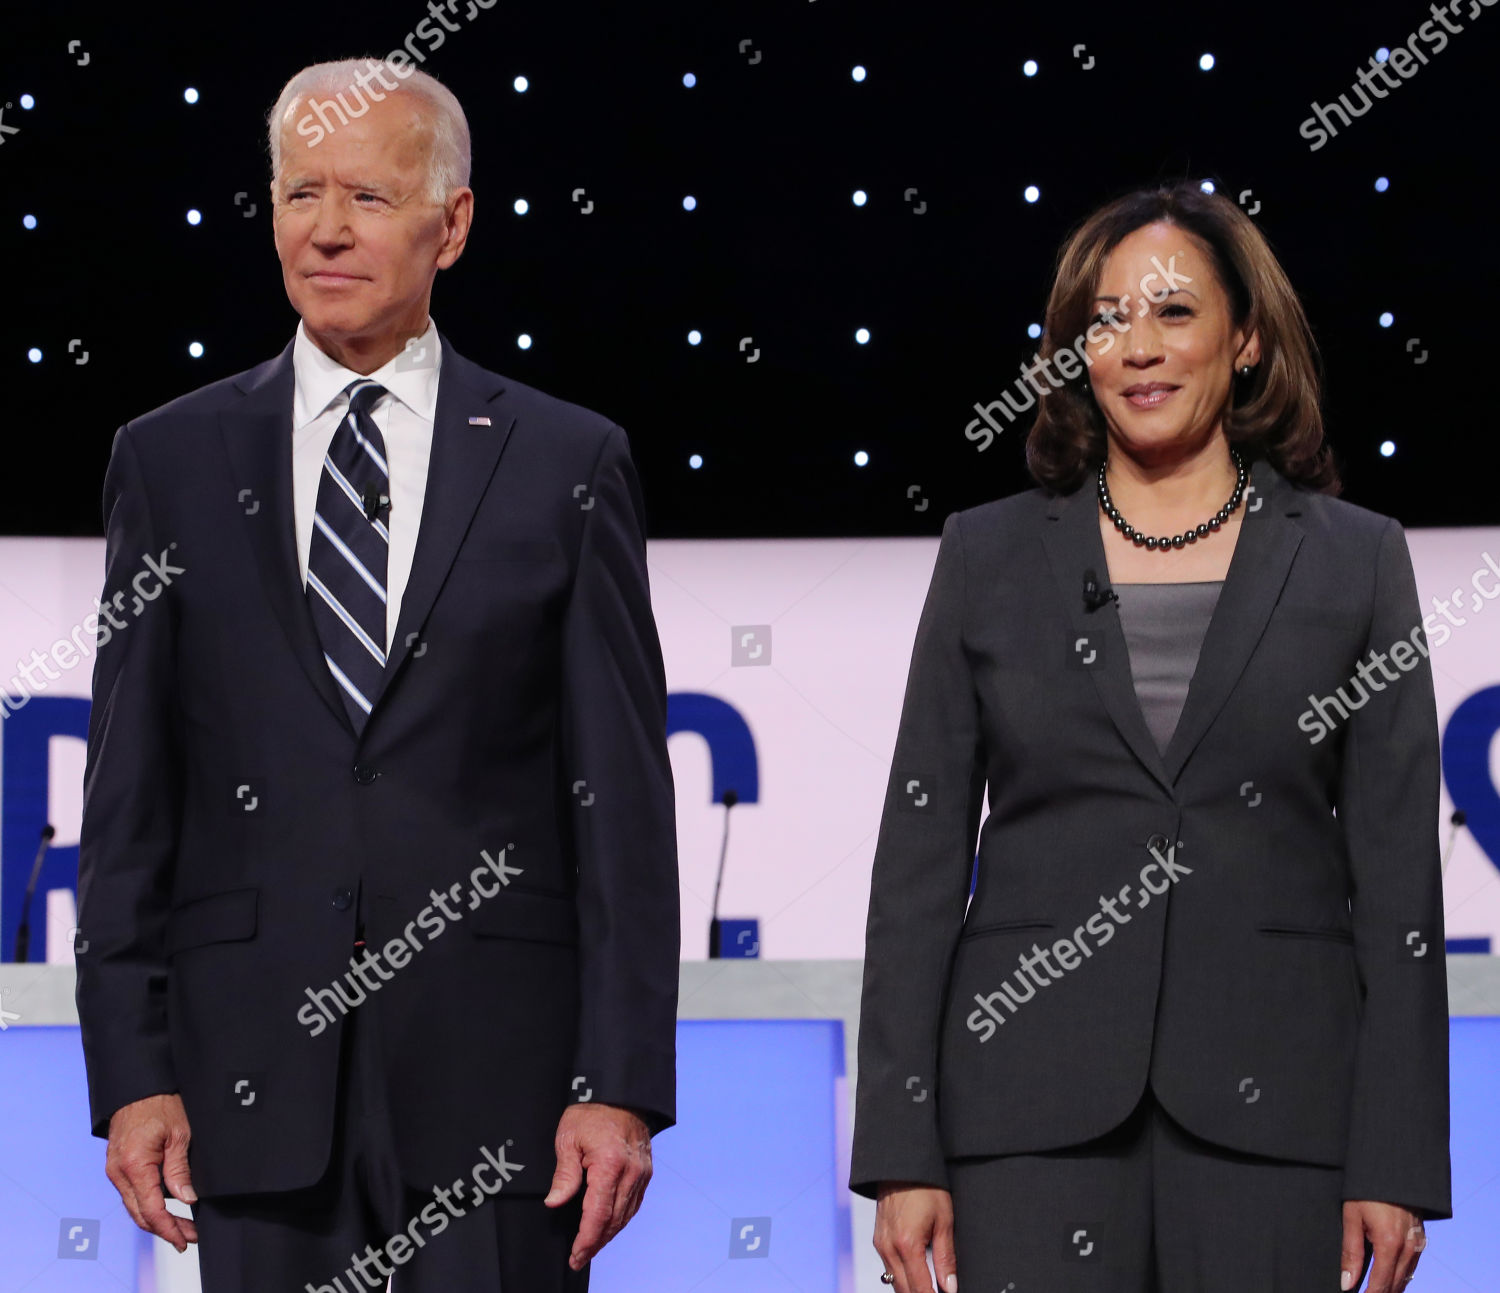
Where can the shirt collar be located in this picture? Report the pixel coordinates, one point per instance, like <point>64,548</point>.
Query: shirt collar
<point>320,379</point>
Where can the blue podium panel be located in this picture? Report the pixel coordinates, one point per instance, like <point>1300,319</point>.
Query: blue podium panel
<point>1462,1254</point>
<point>62,1226</point>
<point>747,1192</point>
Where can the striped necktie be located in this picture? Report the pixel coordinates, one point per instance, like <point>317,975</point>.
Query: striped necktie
<point>346,561</point>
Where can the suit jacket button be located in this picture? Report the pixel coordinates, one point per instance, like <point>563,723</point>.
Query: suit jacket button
<point>1157,843</point>
<point>364,774</point>
<point>342,898</point>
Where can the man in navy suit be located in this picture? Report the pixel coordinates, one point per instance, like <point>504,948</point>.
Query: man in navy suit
<point>377,878</point>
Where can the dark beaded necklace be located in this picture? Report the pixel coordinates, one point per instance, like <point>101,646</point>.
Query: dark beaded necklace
<point>1188,536</point>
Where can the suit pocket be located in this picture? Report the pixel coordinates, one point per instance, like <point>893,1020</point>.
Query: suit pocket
<point>225,917</point>
<point>528,917</point>
<point>1006,926</point>
<point>1324,933</point>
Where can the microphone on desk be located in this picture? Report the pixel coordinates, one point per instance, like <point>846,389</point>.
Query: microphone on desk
<point>730,800</point>
<point>1093,595</point>
<point>1458,819</point>
<point>23,930</point>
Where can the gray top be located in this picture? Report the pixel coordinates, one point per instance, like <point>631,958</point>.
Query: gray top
<point>1164,626</point>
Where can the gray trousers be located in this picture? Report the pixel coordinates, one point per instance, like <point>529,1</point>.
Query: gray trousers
<point>1146,1208</point>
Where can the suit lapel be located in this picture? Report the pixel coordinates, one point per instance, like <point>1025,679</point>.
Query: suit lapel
<point>1263,553</point>
<point>258,437</point>
<point>1071,536</point>
<point>1257,572</point>
<point>458,472</point>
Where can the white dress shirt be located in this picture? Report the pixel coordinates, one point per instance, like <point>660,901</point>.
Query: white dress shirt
<point>405,418</point>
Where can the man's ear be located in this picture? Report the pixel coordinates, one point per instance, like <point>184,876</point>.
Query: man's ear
<point>458,216</point>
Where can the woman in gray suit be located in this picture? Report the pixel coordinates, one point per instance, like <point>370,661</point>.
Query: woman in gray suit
<point>1190,1031</point>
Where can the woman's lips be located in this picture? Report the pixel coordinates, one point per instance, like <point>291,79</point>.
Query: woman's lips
<point>1150,399</point>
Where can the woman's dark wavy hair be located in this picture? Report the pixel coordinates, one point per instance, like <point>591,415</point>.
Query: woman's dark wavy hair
<point>1274,413</point>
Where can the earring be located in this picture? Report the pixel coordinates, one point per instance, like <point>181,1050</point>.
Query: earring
<point>1245,371</point>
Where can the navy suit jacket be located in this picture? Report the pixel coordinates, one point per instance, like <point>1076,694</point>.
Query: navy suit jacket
<point>235,829</point>
<point>1276,966</point>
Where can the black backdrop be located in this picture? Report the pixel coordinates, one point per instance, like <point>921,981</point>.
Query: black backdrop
<point>772,141</point>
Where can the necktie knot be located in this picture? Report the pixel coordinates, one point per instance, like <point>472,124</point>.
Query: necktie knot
<point>363,395</point>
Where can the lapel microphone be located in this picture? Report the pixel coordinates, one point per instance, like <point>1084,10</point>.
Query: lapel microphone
<point>1093,596</point>
<point>375,502</point>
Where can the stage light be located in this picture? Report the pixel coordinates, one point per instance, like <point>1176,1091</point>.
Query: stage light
<point>1382,54</point>
<point>689,203</point>
<point>694,337</point>
<point>34,355</point>
<point>1034,330</point>
<point>1207,186</point>
<point>859,197</point>
<point>1387,448</point>
<point>27,102</point>
<point>29,221</point>
<point>862,335</point>
<point>1032,193</point>
<point>195,216</point>
<point>1387,319</point>
<point>524,341</point>
<point>521,84</point>
<point>1029,67</point>
<point>1382,184</point>
<point>858,73</point>
<point>695,461</point>
<point>1206,62</point>
<point>861,458</point>
<point>522,206</point>
<point>689,80</point>
<point>195,348</point>
<point>190,95</point>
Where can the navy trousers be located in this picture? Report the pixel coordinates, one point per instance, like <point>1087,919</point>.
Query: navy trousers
<point>306,1241</point>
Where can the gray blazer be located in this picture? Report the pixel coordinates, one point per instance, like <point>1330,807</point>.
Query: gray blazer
<point>1253,921</point>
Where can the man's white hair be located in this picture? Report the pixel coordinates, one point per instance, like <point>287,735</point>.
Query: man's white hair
<point>332,86</point>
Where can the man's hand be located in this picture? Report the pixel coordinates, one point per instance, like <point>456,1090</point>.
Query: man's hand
<point>1397,1237</point>
<point>149,1140</point>
<point>614,1146</point>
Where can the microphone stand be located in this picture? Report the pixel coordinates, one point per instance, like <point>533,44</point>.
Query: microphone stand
<point>23,930</point>
<point>730,800</point>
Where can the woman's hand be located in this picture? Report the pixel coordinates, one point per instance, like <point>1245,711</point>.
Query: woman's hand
<point>909,1218</point>
<point>1395,1233</point>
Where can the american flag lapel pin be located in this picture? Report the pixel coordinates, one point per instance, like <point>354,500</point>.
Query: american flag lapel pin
<point>479,422</point>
